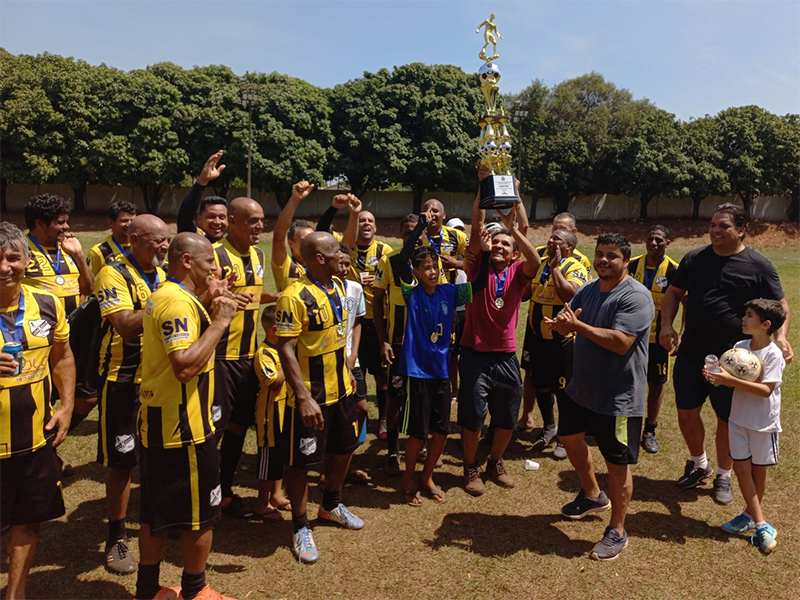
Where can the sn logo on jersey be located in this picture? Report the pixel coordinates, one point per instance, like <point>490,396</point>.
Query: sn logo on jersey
<point>175,326</point>
<point>106,294</point>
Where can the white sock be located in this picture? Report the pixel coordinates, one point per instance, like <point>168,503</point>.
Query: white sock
<point>760,524</point>
<point>700,462</point>
<point>721,471</point>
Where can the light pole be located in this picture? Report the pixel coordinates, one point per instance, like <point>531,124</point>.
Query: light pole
<point>249,97</point>
<point>518,118</point>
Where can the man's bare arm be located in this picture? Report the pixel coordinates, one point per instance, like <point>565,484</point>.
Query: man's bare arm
<point>300,191</point>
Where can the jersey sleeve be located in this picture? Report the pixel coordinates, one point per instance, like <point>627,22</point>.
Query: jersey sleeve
<point>634,313</point>
<point>463,293</point>
<point>178,324</point>
<point>681,277</point>
<point>361,308</point>
<point>290,315</point>
<point>383,273</point>
<point>462,243</point>
<point>95,260</point>
<point>407,288</point>
<point>266,369</point>
<point>112,291</point>
<point>772,284</point>
<point>774,364</point>
<point>577,274</point>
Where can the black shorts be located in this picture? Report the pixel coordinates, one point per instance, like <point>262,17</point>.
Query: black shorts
<point>692,389</point>
<point>361,384</point>
<point>459,321</point>
<point>118,407</point>
<point>306,447</point>
<point>490,384</point>
<point>180,487</point>
<point>31,488</point>
<point>427,408</point>
<point>658,364</point>
<point>235,392</point>
<point>617,437</point>
<point>369,350</point>
<point>398,383</point>
<point>270,463</point>
<point>548,361</point>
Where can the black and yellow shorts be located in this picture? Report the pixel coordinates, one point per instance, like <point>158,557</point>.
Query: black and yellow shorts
<point>235,392</point>
<point>658,364</point>
<point>180,487</point>
<point>31,488</point>
<point>306,447</point>
<point>118,407</point>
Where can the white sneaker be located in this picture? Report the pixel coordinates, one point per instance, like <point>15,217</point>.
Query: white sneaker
<point>559,453</point>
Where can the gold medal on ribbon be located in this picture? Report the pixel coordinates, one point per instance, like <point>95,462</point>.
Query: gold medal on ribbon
<point>434,337</point>
<point>341,328</point>
<point>60,280</point>
<point>498,302</point>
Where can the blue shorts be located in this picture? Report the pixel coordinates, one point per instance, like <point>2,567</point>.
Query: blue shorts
<point>490,384</point>
<point>692,389</point>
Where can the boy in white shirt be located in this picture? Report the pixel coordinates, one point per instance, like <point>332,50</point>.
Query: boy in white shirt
<point>754,422</point>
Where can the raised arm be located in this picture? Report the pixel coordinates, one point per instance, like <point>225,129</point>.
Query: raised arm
<point>300,191</point>
<point>351,232</point>
<point>72,246</point>
<point>191,203</point>
<point>532,259</point>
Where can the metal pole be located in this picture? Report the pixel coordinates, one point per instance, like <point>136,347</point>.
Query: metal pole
<point>249,148</point>
<point>519,159</point>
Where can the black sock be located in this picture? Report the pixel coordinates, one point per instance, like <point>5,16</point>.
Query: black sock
<point>380,399</point>
<point>147,585</point>
<point>229,452</point>
<point>192,584</point>
<point>650,426</point>
<point>299,521</point>
<point>117,530</point>
<point>76,420</point>
<point>393,442</point>
<point>331,500</point>
<point>545,402</point>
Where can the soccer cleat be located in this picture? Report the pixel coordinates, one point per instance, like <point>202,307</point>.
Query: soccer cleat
<point>764,538</point>
<point>610,546</point>
<point>304,547</point>
<point>545,438</point>
<point>496,471</point>
<point>208,594</point>
<point>722,490</point>
<point>473,484</point>
<point>582,506</point>
<point>693,476</point>
<point>237,508</point>
<point>741,524</point>
<point>119,559</point>
<point>650,443</point>
<point>341,516</point>
<point>560,452</point>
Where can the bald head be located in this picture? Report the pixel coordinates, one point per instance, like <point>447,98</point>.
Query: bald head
<point>242,204</point>
<point>245,223</point>
<point>149,239</point>
<point>187,243</point>
<point>146,224</point>
<point>315,243</point>
<point>366,227</point>
<point>438,216</point>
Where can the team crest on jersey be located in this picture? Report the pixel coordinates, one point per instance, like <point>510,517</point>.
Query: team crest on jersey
<point>216,412</point>
<point>445,309</point>
<point>351,304</point>
<point>125,443</point>
<point>215,497</point>
<point>39,327</point>
<point>373,261</point>
<point>259,271</point>
<point>308,446</point>
<point>397,381</point>
<point>662,281</point>
<point>148,307</point>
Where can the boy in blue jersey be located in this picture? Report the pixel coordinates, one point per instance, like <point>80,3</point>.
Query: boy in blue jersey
<point>425,360</point>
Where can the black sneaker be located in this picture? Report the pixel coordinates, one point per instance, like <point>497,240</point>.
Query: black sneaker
<point>119,559</point>
<point>237,508</point>
<point>545,438</point>
<point>582,506</point>
<point>693,476</point>
<point>610,546</point>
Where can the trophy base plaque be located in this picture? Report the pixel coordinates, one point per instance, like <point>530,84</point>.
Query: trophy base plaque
<point>498,191</point>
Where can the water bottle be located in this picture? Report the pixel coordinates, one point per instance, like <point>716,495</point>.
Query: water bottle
<point>712,365</point>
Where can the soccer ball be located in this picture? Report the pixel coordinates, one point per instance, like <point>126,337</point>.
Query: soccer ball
<point>489,74</point>
<point>742,364</point>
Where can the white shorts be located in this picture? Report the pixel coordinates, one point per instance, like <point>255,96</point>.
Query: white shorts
<point>759,447</point>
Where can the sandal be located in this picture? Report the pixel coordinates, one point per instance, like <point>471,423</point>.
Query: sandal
<point>413,498</point>
<point>359,476</point>
<point>285,506</point>
<point>436,494</point>
<point>270,515</point>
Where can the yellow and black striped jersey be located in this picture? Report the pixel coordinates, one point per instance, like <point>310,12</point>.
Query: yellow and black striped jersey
<point>450,242</point>
<point>239,340</point>
<point>657,281</point>
<point>267,364</point>
<point>307,312</point>
<point>577,254</point>
<point>119,286</point>
<point>40,273</point>
<point>287,273</point>
<point>544,300</point>
<point>103,253</point>
<point>387,277</point>
<point>365,260</point>
<point>173,414</point>
<point>25,398</point>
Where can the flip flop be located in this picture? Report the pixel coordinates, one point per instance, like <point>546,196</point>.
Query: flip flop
<point>285,506</point>
<point>359,476</point>
<point>270,515</point>
<point>413,498</point>
<point>436,494</point>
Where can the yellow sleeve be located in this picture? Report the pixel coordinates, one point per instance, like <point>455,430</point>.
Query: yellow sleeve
<point>112,291</point>
<point>290,315</point>
<point>462,242</point>
<point>61,333</point>
<point>266,369</point>
<point>577,274</point>
<point>177,323</point>
<point>383,274</point>
<point>95,260</point>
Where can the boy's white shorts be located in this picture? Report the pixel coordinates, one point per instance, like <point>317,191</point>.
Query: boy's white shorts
<point>760,447</point>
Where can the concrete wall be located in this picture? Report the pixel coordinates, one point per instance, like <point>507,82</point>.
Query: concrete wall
<point>397,204</point>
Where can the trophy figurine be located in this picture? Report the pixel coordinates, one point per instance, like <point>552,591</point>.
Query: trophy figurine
<point>499,189</point>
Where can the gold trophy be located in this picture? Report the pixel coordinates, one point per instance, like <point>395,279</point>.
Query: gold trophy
<point>498,190</point>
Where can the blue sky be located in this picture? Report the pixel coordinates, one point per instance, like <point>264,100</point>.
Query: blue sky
<point>691,58</point>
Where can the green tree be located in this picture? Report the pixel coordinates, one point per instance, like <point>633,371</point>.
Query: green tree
<point>530,141</point>
<point>705,177</point>
<point>783,161</point>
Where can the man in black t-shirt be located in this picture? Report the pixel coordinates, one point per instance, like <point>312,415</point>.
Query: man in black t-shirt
<point>719,279</point>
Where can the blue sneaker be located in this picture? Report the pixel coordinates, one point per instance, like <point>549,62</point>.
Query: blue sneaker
<point>741,524</point>
<point>764,538</point>
<point>341,516</point>
<point>304,547</point>
<point>610,546</point>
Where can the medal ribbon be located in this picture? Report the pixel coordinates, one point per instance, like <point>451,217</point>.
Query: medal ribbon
<point>649,275</point>
<point>500,282</point>
<point>153,287</point>
<point>57,265</point>
<point>337,305</point>
<point>546,272</point>
<point>191,295</point>
<point>441,239</point>
<point>19,319</point>
<point>118,245</point>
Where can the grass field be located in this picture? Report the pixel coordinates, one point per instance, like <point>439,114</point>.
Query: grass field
<point>505,544</point>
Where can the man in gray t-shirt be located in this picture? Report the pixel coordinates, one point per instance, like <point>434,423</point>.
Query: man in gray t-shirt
<point>611,318</point>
